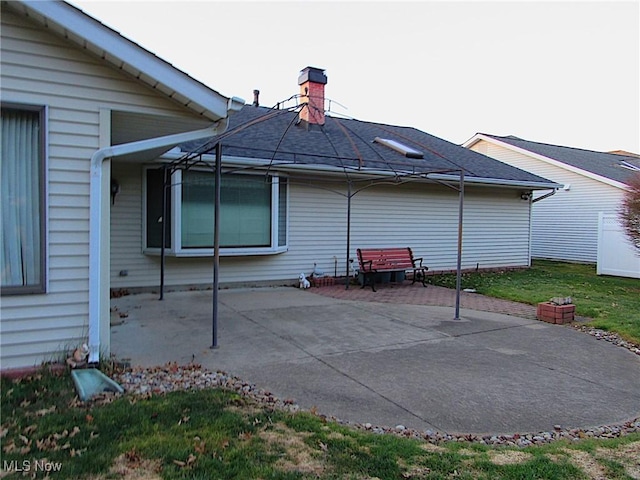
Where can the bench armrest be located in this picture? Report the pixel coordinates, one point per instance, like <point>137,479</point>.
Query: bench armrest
<point>364,265</point>
<point>417,261</point>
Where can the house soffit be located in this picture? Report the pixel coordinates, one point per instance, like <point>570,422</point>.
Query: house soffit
<point>127,127</point>
<point>90,35</point>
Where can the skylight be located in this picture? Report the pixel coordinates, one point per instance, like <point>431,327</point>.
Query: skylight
<point>630,166</point>
<point>399,147</point>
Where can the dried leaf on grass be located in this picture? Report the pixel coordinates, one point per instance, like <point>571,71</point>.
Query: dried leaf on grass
<point>184,419</point>
<point>200,446</point>
<point>9,447</point>
<point>44,411</point>
<point>29,429</point>
<point>191,459</point>
<point>77,452</point>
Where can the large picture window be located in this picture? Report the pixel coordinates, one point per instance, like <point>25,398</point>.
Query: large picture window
<point>253,213</point>
<point>22,179</point>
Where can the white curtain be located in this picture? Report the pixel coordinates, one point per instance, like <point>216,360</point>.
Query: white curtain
<point>20,182</point>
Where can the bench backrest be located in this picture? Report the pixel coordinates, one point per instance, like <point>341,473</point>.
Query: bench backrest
<point>385,258</point>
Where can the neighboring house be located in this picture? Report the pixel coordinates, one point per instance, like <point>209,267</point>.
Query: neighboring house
<point>565,226</point>
<point>75,94</point>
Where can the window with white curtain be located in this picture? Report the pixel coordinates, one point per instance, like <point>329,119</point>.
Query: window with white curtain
<point>253,213</point>
<point>22,182</point>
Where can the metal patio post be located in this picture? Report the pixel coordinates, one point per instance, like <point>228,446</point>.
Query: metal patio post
<point>216,243</point>
<point>459,264</point>
<point>347,278</point>
<point>163,241</point>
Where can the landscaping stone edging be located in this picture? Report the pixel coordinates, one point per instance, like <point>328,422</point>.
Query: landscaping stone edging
<point>171,377</point>
<point>609,337</point>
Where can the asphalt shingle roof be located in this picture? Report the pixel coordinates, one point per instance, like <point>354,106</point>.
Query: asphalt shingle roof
<point>609,165</point>
<point>349,143</point>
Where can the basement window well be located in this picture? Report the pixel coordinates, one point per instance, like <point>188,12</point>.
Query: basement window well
<point>399,147</point>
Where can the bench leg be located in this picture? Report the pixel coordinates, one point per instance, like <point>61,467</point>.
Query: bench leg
<point>421,276</point>
<point>372,281</point>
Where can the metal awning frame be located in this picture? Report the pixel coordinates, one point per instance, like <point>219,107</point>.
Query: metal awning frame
<point>353,187</point>
<point>352,175</point>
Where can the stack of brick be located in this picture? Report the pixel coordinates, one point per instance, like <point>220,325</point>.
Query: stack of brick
<point>322,281</point>
<point>551,313</point>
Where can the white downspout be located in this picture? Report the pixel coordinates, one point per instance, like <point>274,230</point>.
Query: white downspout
<point>95,214</point>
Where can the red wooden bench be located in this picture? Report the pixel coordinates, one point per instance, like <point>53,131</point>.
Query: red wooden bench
<point>377,260</point>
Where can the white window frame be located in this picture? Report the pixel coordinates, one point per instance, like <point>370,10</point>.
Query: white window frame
<point>176,249</point>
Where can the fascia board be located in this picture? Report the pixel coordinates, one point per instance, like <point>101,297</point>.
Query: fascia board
<point>473,140</point>
<point>124,54</point>
<point>550,161</point>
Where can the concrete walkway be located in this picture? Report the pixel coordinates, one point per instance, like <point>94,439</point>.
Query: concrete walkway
<point>363,358</point>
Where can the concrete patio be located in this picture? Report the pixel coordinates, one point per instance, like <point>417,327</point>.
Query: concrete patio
<point>373,360</point>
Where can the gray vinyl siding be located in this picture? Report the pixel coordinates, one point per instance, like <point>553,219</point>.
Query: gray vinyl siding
<point>42,69</point>
<point>564,226</point>
<point>421,216</point>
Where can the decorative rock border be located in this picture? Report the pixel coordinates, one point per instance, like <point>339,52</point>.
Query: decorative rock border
<point>171,377</point>
<point>609,337</point>
<point>515,439</point>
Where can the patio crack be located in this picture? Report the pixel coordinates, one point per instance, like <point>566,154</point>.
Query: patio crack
<point>375,392</point>
<point>340,372</point>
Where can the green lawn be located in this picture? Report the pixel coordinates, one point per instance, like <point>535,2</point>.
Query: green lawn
<point>216,434</point>
<point>612,302</point>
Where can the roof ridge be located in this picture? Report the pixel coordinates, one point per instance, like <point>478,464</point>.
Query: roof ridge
<point>513,137</point>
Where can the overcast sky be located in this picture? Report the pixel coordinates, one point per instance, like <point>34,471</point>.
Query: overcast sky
<point>565,73</point>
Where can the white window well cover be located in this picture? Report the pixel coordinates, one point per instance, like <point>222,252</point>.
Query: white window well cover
<point>399,147</point>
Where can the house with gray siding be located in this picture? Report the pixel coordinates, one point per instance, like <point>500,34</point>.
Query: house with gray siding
<point>567,225</point>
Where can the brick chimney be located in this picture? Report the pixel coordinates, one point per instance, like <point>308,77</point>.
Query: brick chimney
<point>312,81</point>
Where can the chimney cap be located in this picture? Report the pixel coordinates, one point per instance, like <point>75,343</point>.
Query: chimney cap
<point>312,74</point>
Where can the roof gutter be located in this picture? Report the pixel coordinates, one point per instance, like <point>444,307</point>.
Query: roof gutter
<point>95,212</point>
<point>496,181</point>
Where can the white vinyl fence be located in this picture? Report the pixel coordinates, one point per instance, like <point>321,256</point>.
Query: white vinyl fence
<point>616,254</point>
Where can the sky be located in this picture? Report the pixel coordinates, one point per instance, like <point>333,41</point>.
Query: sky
<point>564,73</point>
